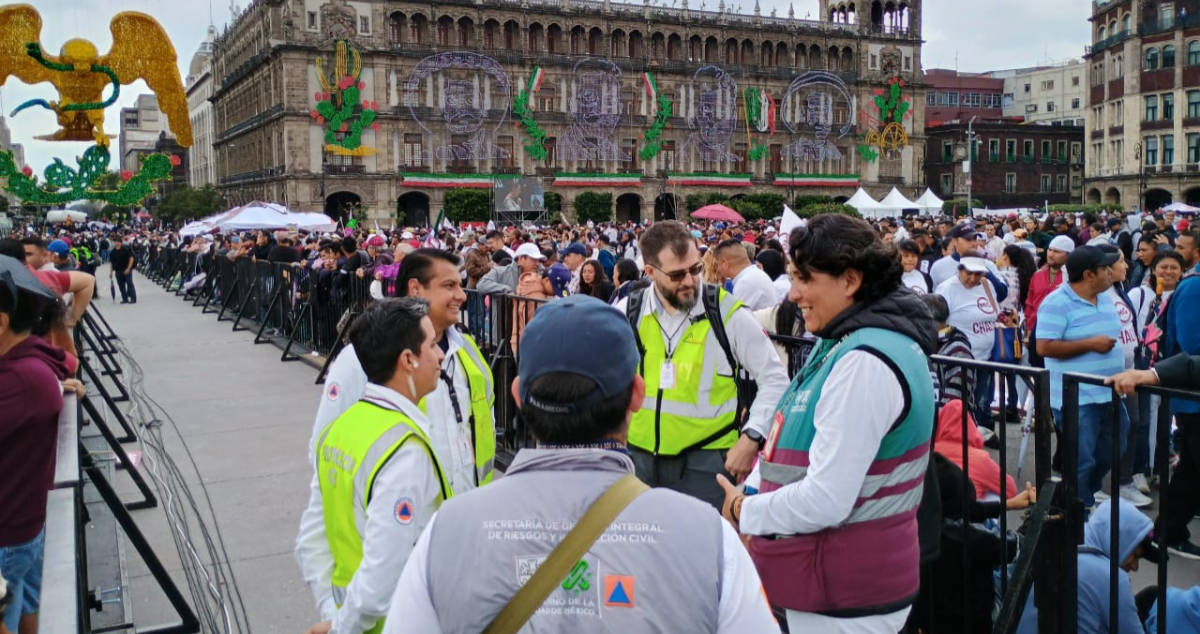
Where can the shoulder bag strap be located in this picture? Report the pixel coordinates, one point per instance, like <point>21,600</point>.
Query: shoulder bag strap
<point>554,569</point>
<point>988,290</point>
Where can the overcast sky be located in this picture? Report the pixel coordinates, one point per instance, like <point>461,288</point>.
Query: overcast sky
<point>973,35</point>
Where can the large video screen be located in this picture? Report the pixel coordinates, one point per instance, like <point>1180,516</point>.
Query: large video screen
<point>519,194</point>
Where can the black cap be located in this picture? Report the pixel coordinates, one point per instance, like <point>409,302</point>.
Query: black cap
<point>964,230</point>
<point>1061,220</point>
<point>1089,258</point>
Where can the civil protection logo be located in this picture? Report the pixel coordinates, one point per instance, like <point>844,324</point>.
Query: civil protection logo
<point>404,511</point>
<point>334,391</point>
<point>619,591</point>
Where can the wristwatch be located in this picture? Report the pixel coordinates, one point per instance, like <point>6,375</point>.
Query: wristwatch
<point>755,436</point>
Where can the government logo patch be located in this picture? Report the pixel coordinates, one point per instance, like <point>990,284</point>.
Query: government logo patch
<point>334,391</point>
<point>404,511</point>
<point>618,591</point>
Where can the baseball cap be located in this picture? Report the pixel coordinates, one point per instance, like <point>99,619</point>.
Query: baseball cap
<point>1062,243</point>
<point>973,265</point>
<point>1061,220</point>
<point>58,247</point>
<point>574,247</point>
<point>530,250</point>
<point>578,335</point>
<point>1087,258</point>
<point>375,240</point>
<point>965,230</point>
<point>407,235</point>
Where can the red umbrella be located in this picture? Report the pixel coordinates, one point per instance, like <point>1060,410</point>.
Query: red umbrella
<point>718,212</point>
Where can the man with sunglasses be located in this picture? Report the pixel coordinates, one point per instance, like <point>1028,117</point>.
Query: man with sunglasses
<point>691,426</point>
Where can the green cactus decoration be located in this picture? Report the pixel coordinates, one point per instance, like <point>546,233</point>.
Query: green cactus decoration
<point>339,108</point>
<point>537,136</point>
<point>653,135</point>
<point>64,184</point>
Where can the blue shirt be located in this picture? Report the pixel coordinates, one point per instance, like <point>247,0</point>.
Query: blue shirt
<point>1182,334</point>
<point>1069,317</point>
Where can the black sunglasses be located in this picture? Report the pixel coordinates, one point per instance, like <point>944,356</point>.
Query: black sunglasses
<point>677,276</point>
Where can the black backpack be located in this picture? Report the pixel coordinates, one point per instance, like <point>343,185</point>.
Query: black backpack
<point>710,295</point>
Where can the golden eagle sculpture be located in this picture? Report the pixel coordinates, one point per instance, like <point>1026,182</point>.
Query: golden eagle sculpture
<point>140,50</point>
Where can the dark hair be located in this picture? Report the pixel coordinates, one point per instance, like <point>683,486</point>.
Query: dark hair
<point>12,249</point>
<point>1194,234</point>
<point>34,241</point>
<point>937,306</point>
<point>328,246</point>
<point>730,243</point>
<point>494,233</point>
<point>627,270</point>
<point>593,423</point>
<point>22,310</point>
<point>349,245</point>
<point>909,246</point>
<point>662,235</point>
<point>502,258</point>
<point>772,262</point>
<point>1163,255</point>
<point>1149,236</point>
<point>833,243</point>
<point>1022,261</point>
<point>418,266</point>
<point>775,245</point>
<point>598,282</point>
<point>383,331</point>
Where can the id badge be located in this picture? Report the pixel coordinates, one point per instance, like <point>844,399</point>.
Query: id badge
<point>666,376</point>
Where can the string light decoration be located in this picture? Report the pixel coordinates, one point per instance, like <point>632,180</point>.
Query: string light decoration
<point>140,50</point>
<point>339,108</point>
<point>887,133</point>
<point>64,184</point>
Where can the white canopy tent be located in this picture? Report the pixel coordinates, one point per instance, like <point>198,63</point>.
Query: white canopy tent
<point>867,206</point>
<point>1182,208</point>
<point>259,215</point>
<point>895,203</point>
<point>929,202</point>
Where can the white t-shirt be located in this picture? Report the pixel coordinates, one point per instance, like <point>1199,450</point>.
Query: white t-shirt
<point>1129,334</point>
<point>915,280</point>
<point>971,312</point>
<point>754,288</point>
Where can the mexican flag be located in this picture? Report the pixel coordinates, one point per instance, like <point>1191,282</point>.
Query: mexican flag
<point>712,180</point>
<point>475,181</point>
<point>535,79</point>
<point>651,86</point>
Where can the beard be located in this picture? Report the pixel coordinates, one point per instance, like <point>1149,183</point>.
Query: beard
<point>677,302</point>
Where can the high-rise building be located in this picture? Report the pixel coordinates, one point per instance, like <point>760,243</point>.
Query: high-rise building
<point>1143,117</point>
<point>202,169</point>
<point>442,78</point>
<point>140,129</point>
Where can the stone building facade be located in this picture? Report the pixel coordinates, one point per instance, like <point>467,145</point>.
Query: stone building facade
<point>1143,117</point>
<point>442,78</point>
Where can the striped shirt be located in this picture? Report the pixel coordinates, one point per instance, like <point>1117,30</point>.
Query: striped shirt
<point>1065,316</point>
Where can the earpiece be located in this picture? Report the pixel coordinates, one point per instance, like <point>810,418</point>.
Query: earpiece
<point>416,365</point>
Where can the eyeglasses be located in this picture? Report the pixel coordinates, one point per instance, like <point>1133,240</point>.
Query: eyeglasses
<point>677,276</point>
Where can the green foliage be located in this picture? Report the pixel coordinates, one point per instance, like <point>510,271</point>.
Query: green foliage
<point>593,206</point>
<point>652,137</point>
<point>183,204</point>
<point>692,202</point>
<point>553,202</point>
<point>770,204</point>
<point>3,204</point>
<point>537,136</point>
<point>1084,209</point>
<point>465,204</point>
<point>959,206</point>
<point>804,201</point>
<point>808,211</point>
<point>749,209</point>
<point>64,184</point>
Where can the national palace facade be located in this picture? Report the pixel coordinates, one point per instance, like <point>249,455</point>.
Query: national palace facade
<point>758,102</point>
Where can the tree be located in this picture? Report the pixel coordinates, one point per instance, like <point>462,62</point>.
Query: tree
<point>467,205</point>
<point>749,209</point>
<point>593,206</point>
<point>188,203</point>
<point>3,204</point>
<point>959,206</point>
<point>808,211</point>
<point>553,208</point>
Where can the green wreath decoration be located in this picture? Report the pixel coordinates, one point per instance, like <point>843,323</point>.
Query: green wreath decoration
<point>758,119</point>
<point>652,137</point>
<point>64,184</point>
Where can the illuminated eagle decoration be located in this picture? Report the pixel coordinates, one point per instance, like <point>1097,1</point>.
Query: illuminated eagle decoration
<point>140,50</point>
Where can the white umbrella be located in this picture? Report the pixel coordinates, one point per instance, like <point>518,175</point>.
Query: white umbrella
<point>1182,208</point>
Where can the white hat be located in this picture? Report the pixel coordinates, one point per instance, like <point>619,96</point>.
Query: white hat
<point>531,250</point>
<point>1062,243</point>
<point>973,265</point>
<point>407,235</point>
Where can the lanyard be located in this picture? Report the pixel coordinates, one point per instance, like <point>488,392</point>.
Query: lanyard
<point>458,417</point>
<point>671,347</point>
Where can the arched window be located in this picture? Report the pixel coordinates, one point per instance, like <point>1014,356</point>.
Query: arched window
<point>1168,56</point>
<point>1193,53</point>
<point>1127,22</point>
<point>1103,34</point>
<point>1151,59</point>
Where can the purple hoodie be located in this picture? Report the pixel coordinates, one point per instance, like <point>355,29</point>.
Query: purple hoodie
<point>30,401</point>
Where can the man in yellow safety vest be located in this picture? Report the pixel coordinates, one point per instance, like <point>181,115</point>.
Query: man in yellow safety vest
<point>695,342</point>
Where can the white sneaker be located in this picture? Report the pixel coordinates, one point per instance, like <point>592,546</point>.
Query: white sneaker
<point>1100,496</point>
<point>1140,483</point>
<point>1135,497</point>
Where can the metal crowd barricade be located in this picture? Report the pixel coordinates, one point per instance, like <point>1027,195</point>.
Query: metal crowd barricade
<point>1161,467</point>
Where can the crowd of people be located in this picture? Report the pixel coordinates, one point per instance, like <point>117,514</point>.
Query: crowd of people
<point>722,364</point>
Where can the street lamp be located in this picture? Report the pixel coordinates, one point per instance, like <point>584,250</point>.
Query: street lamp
<point>1137,156</point>
<point>967,163</point>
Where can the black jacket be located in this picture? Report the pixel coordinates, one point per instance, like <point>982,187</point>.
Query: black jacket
<point>1179,371</point>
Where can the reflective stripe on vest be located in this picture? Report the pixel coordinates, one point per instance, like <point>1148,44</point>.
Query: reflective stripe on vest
<point>350,452</point>
<point>703,403</point>
<point>483,398</point>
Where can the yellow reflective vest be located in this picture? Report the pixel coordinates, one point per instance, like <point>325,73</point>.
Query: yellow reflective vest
<point>700,411</point>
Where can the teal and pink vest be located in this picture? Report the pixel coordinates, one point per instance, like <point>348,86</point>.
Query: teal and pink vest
<point>870,563</point>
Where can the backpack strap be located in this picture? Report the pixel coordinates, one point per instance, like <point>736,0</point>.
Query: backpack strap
<point>711,297</point>
<point>633,313</point>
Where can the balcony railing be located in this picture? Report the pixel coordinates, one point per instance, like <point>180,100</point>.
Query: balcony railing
<point>344,170</point>
<point>1110,41</point>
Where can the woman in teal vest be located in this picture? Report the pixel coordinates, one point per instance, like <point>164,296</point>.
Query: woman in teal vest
<point>834,528</point>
